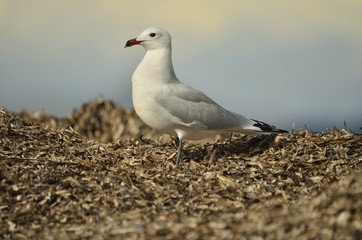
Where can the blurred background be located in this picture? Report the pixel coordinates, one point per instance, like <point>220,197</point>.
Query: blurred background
<point>280,61</point>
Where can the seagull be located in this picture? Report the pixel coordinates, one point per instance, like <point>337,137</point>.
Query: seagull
<point>169,106</point>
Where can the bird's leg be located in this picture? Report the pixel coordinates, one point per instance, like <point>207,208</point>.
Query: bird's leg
<point>176,141</point>
<point>179,152</point>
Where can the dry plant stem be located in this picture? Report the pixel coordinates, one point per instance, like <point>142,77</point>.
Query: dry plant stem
<point>213,154</point>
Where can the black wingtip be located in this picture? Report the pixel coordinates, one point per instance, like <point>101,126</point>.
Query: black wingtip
<point>264,127</point>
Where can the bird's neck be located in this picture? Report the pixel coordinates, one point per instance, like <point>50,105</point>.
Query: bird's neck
<point>157,66</point>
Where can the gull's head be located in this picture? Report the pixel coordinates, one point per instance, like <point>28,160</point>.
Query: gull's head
<point>152,38</point>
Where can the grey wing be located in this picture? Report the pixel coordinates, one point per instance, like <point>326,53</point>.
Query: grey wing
<point>196,109</point>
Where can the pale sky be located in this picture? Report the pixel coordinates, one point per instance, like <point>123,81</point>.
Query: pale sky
<point>277,61</point>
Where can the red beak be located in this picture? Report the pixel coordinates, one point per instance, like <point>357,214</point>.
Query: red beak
<point>132,42</point>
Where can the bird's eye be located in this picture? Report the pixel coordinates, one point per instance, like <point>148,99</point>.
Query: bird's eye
<point>152,34</point>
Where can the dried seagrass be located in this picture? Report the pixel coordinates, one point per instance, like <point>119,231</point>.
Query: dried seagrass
<point>74,178</point>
